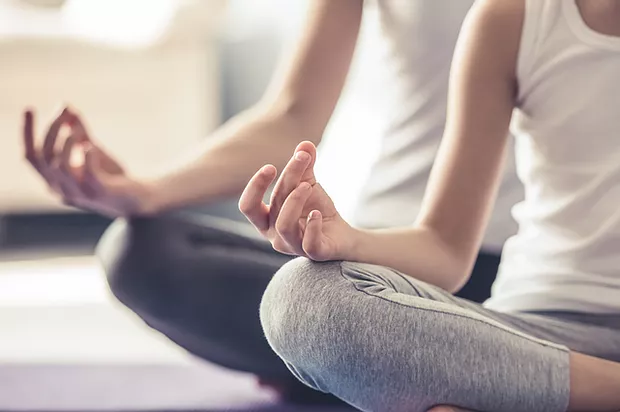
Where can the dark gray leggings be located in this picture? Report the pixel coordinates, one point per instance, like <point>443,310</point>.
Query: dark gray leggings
<point>199,280</point>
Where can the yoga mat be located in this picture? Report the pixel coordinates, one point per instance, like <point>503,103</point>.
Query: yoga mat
<point>135,388</point>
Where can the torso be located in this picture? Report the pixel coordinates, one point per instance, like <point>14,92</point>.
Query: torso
<point>418,39</point>
<point>566,255</point>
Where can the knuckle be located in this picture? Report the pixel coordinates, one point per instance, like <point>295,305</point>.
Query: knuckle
<point>289,181</point>
<point>48,157</point>
<point>240,203</point>
<point>89,192</point>
<point>65,169</point>
<point>54,190</point>
<point>244,206</point>
<point>280,246</point>
<point>68,202</point>
<point>311,248</point>
<point>301,194</point>
<point>295,195</point>
<point>56,172</point>
<point>283,228</point>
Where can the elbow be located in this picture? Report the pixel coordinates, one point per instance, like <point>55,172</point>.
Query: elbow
<point>463,258</point>
<point>455,275</point>
<point>456,282</point>
<point>458,270</point>
<point>457,261</point>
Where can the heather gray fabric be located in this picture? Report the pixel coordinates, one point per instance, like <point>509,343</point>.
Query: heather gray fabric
<point>386,342</point>
<point>199,280</point>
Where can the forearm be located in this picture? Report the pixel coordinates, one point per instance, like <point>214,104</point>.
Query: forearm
<point>222,166</point>
<point>297,106</point>
<point>417,252</point>
<point>442,245</point>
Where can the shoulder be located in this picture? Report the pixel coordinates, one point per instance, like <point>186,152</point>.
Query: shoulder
<point>503,18</point>
<point>496,27</point>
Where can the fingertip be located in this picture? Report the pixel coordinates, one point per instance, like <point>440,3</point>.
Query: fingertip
<point>315,214</point>
<point>308,147</point>
<point>68,108</point>
<point>306,144</point>
<point>64,111</point>
<point>302,156</point>
<point>269,170</point>
<point>28,122</point>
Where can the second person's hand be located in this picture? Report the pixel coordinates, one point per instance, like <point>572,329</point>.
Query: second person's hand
<point>301,218</point>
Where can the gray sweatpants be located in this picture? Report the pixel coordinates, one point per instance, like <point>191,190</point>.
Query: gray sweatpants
<point>383,341</point>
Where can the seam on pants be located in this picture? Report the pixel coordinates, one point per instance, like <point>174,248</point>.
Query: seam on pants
<point>478,318</point>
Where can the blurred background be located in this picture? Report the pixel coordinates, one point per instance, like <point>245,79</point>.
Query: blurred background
<point>151,78</point>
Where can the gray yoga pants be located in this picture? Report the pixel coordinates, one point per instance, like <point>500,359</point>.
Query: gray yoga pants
<point>199,280</point>
<point>384,342</point>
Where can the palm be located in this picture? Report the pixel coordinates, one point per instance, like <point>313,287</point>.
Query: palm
<point>118,197</point>
<point>114,192</point>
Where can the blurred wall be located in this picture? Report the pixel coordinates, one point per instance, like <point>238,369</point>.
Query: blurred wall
<point>246,67</point>
<point>145,104</point>
<point>256,32</point>
<point>249,47</point>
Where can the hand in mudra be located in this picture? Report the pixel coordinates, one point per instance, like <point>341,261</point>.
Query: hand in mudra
<point>96,182</point>
<point>301,218</point>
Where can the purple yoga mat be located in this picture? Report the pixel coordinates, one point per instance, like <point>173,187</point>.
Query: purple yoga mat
<point>125,388</point>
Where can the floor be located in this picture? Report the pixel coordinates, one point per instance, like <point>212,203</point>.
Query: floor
<point>58,309</point>
<point>65,336</point>
<point>67,345</point>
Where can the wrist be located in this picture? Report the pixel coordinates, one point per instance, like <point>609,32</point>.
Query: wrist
<point>354,246</point>
<point>150,201</point>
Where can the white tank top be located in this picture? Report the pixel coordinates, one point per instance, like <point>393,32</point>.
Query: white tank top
<point>417,40</point>
<point>566,255</point>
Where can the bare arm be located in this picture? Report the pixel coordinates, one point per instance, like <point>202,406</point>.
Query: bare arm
<point>296,107</point>
<point>442,246</point>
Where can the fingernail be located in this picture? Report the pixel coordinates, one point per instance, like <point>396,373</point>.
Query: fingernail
<point>305,186</point>
<point>302,156</point>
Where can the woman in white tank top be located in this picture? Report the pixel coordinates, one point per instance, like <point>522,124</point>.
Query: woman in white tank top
<point>376,324</point>
<point>198,279</point>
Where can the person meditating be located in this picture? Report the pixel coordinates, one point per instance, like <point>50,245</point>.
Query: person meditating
<point>369,315</point>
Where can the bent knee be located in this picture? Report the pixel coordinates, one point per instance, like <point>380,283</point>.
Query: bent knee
<point>296,302</point>
<point>309,301</point>
<point>132,253</point>
<point>306,310</point>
